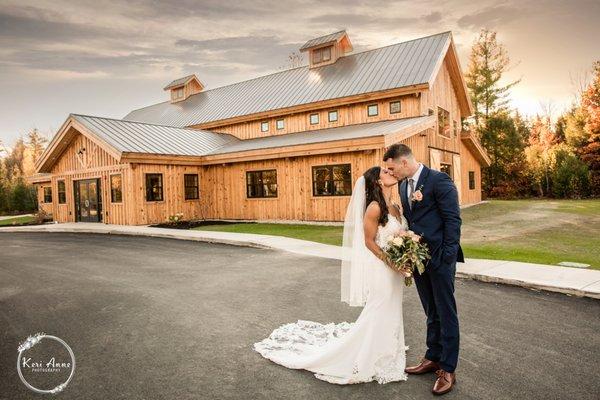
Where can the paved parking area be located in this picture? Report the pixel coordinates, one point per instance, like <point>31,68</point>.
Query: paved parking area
<point>152,318</point>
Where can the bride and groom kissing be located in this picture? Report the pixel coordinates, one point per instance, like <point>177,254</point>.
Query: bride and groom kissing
<point>372,348</point>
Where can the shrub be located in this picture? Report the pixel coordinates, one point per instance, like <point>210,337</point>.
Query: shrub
<point>571,177</point>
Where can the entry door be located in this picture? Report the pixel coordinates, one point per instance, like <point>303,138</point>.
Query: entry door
<point>88,202</point>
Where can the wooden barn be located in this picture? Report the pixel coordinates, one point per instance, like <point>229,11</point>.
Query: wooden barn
<point>285,146</point>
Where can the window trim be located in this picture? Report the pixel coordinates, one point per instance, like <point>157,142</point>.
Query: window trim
<point>310,118</point>
<point>376,105</point>
<point>472,181</point>
<point>162,191</point>
<point>197,187</point>
<point>261,172</point>
<point>282,124</point>
<point>337,116</point>
<point>399,107</point>
<point>263,124</point>
<point>330,167</point>
<point>46,195</point>
<point>61,199</point>
<point>112,194</point>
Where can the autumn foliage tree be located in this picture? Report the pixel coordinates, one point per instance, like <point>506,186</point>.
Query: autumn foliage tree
<point>590,151</point>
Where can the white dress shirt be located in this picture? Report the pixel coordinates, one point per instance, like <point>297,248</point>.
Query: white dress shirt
<point>415,179</point>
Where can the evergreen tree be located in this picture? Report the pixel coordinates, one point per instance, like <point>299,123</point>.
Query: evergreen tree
<point>488,61</point>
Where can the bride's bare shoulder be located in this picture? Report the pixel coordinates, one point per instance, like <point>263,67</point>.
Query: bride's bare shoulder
<point>373,210</point>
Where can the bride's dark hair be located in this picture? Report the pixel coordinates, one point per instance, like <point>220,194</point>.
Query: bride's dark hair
<point>374,193</point>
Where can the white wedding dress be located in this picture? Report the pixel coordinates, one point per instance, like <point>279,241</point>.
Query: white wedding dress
<point>370,349</point>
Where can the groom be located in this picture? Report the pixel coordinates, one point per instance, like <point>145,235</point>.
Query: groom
<point>430,203</point>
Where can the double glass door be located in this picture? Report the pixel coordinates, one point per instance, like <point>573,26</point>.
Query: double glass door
<point>88,201</point>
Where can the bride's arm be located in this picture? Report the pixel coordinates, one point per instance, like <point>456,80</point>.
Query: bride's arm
<point>371,223</point>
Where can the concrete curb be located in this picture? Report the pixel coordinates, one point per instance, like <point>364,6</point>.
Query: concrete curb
<point>570,281</point>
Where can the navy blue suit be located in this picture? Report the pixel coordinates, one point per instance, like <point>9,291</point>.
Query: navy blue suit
<point>437,219</point>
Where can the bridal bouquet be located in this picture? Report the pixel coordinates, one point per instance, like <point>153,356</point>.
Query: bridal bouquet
<point>406,251</point>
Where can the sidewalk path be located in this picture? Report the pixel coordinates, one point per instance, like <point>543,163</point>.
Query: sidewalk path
<point>572,281</point>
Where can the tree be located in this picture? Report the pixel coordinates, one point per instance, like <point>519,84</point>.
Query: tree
<point>37,144</point>
<point>488,61</point>
<point>14,161</point>
<point>540,153</point>
<point>504,141</point>
<point>571,177</point>
<point>590,153</point>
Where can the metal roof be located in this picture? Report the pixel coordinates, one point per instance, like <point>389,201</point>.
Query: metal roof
<point>180,81</point>
<point>134,137</point>
<point>323,39</point>
<point>399,65</point>
<point>323,135</point>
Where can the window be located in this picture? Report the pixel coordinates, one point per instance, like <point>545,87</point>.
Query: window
<point>332,180</point>
<point>321,55</point>
<point>261,184</point>
<point>264,126</point>
<point>62,192</point>
<point>333,116</point>
<point>314,119</point>
<point>471,180</point>
<point>455,128</point>
<point>443,122</point>
<point>47,194</point>
<point>116,188</point>
<point>280,124</point>
<point>154,187</point>
<point>394,107</point>
<point>190,183</point>
<point>447,168</point>
<point>178,93</point>
<point>372,110</point>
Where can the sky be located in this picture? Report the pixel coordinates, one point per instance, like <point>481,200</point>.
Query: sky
<point>107,58</point>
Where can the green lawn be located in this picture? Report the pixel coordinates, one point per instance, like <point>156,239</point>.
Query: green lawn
<point>537,231</point>
<point>17,220</point>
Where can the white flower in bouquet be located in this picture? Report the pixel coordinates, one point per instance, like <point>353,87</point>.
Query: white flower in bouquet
<point>398,241</point>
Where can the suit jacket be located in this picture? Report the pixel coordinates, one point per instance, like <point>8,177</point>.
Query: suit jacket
<point>436,217</point>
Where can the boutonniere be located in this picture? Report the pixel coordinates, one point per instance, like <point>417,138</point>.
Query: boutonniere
<point>418,195</point>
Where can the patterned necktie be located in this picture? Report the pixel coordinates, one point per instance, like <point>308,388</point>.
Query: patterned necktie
<point>411,190</point>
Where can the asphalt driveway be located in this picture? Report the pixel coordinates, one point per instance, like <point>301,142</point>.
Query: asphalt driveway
<point>151,318</point>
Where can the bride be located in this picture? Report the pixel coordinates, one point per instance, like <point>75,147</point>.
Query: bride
<point>371,348</point>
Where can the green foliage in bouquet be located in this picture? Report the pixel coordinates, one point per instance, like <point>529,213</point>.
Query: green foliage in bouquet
<point>407,251</point>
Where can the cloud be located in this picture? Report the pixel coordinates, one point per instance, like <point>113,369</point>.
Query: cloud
<point>490,17</point>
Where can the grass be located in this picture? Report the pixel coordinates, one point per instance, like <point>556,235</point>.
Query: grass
<point>315,233</point>
<point>536,231</point>
<point>17,220</point>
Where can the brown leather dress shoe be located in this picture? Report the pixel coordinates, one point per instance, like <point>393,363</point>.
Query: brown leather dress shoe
<point>444,383</point>
<point>424,366</point>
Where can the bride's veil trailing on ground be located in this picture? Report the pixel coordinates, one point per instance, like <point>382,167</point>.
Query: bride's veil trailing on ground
<point>354,252</point>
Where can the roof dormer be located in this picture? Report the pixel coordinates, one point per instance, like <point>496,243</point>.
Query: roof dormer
<point>183,88</point>
<point>327,49</point>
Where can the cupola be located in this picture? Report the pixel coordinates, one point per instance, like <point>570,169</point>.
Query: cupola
<point>183,88</point>
<point>325,50</point>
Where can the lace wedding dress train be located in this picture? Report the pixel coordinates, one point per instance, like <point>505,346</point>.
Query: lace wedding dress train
<point>370,349</point>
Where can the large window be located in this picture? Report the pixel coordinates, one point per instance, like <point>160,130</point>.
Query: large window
<point>471,180</point>
<point>190,182</point>
<point>264,126</point>
<point>333,116</point>
<point>261,183</point>
<point>62,192</point>
<point>154,187</point>
<point>47,194</point>
<point>321,55</point>
<point>443,122</point>
<point>395,107</point>
<point>372,110</point>
<point>116,188</point>
<point>332,180</point>
<point>314,119</point>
